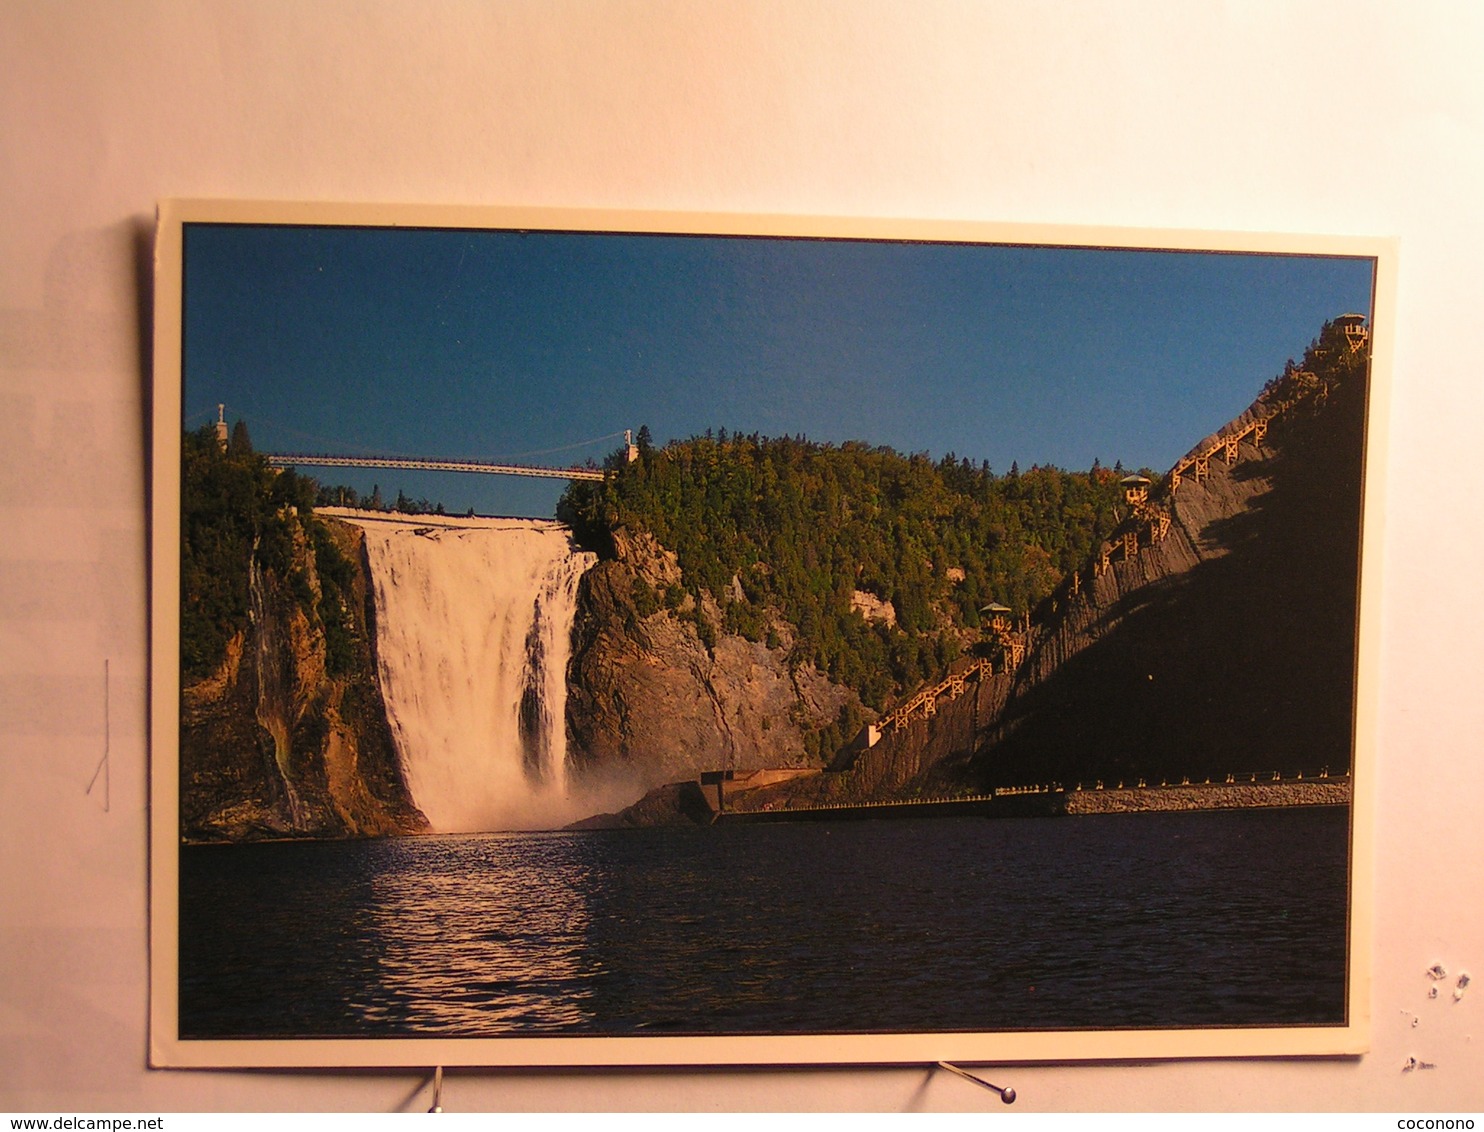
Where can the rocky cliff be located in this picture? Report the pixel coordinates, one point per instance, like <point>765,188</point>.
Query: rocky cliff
<point>273,744</point>
<point>1227,646</point>
<point>1221,642</point>
<point>649,702</point>
<point>1213,634</point>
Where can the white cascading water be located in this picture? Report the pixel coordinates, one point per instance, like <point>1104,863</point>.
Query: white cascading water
<point>473,633</point>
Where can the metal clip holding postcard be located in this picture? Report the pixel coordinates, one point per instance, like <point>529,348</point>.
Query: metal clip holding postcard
<point>1007,1094</point>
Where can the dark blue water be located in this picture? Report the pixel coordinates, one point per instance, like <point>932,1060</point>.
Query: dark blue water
<point>1130,920</point>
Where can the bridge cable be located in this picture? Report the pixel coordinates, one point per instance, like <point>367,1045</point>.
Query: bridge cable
<point>375,453</point>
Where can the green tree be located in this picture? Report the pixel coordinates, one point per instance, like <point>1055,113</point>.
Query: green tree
<point>240,444</point>
<point>237,513</point>
<point>801,526</point>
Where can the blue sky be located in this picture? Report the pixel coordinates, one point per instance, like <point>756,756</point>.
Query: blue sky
<point>540,347</point>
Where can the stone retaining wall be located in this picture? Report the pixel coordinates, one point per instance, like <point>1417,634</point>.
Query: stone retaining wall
<point>1215,796</point>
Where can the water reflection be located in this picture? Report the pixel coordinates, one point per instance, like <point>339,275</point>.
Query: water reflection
<point>480,932</point>
<point>1120,921</point>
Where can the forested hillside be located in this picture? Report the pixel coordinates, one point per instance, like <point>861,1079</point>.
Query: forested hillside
<point>1210,638</point>
<point>878,561</point>
<point>237,511</point>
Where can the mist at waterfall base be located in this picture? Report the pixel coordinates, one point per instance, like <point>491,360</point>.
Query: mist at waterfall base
<point>473,633</point>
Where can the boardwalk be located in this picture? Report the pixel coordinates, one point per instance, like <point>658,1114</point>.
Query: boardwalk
<point>925,703</point>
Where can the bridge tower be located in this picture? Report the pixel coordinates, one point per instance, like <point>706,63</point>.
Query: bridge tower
<point>631,450</point>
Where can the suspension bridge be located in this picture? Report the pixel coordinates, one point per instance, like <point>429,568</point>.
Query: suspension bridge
<point>430,463</point>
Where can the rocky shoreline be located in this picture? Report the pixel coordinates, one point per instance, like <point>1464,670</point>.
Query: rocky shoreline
<point>1211,796</point>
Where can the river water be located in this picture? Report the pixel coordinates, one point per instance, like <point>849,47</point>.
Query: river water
<point>1233,918</point>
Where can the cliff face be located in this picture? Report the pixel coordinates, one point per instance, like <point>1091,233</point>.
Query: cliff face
<point>272,744</point>
<point>1228,646</point>
<point>1220,642</point>
<point>650,703</point>
<point>904,764</point>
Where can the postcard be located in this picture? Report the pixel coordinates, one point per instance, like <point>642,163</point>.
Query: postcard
<point>613,639</point>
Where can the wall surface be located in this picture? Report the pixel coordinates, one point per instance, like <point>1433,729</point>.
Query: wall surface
<point>1300,117</point>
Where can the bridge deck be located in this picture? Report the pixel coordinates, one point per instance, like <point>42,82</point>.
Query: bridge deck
<point>286,460</point>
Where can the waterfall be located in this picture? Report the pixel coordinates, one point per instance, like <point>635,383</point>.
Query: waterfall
<point>473,633</point>
<point>275,710</point>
